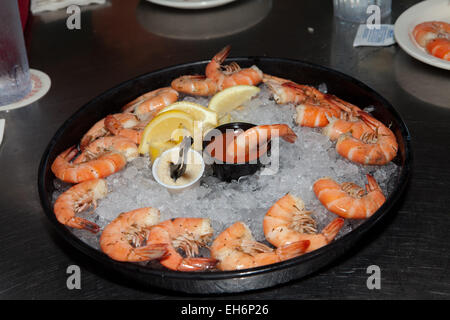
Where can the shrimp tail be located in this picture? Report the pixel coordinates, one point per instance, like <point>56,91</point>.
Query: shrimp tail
<point>70,153</point>
<point>268,78</point>
<point>290,135</point>
<point>332,229</point>
<point>112,124</point>
<point>293,85</point>
<point>116,128</point>
<point>80,223</point>
<point>86,140</point>
<point>152,251</point>
<point>293,249</point>
<point>368,119</point>
<point>298,88</point>
<point>344,106</point>
<point>197,264</point>
<point>372,184</point>
<point>222,54</point>
<point>65,156</point>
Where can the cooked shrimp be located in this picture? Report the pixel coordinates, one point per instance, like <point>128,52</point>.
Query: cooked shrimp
<point>319,112</point>
<point>108,144</point>
<point>440,48</point>
<point>125,238</point>
<point>231,75</point>
<point>151,102</point>
<point>286,91</point>
<point>375,147</point>
<point>100,167</point>
<point>349,200</point>
<point>75,200</point>
<point>236,249</point>
<point>258,136</point>
<point>126,120</point>
<point>314,108</point>
<point>315,116</point>
<point>287,221</point>
<point>116,128</point>
<point>337,127</point>
<point>430,30</point>
<point>196,85</point>
<point>187,234</point>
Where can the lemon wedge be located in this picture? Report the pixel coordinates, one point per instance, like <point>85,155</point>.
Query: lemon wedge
<point>226,118</point>
<point>165,131</point>
<point>231,98</point>
<point>204,119</point>
<point>196,111</point>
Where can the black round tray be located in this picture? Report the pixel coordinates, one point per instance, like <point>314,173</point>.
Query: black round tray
<point>112,100</point>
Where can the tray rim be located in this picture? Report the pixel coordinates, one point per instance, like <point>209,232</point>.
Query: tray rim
<point>99,256</point>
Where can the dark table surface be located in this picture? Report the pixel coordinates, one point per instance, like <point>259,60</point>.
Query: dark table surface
<point>123,39</point>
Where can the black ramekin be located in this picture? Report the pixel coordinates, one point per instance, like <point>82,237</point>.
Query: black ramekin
<point>226,171</point>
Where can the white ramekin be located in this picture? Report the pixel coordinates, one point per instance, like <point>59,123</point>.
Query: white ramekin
<point>176,189</point>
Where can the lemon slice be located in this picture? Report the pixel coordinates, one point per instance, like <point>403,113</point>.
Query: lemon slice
<point>196,111</point>
<point>204,119</point>
<point>231,98</point>
<point>155,150</point>
<point>226,118</point>
<point>165,131</point>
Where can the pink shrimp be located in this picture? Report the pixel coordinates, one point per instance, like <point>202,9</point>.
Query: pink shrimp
<point>314,116</point>
<point>314,108</point>
<point>257,137</point>
<point>430,30</point>
<point>440,48</point>
<point>187,234</point>
<point>116,128</point>
<point>337,127</point>
<point>231,75</point>
<point>349,200</point>
<point>375,147</point>
<point>235,249</point>
<point>126,120</point>
<point>125,238</point>
<point>150,103</point>
<point>287,221</point>
<point>100,167</point>
<point>75,200</point>
<point>197,85</point>
<point>286,91</point>
<point>108,144</point>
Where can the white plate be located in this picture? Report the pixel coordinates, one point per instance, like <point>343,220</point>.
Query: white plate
<point>225,21</point>
<point>438,10</point>
<point>191,4</point>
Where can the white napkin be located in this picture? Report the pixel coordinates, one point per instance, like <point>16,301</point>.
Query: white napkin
<point>52,5</point>
<point>2,129</point>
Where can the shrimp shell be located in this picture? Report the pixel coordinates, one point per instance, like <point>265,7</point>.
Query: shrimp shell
<point>76,199</point>
<point>288,222</point>
<point>231,75</point>
<point>125,238</point>
<point>187,234</point>
<point>347,200</point>
<point>236,249</point>
<point>100,167</point>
